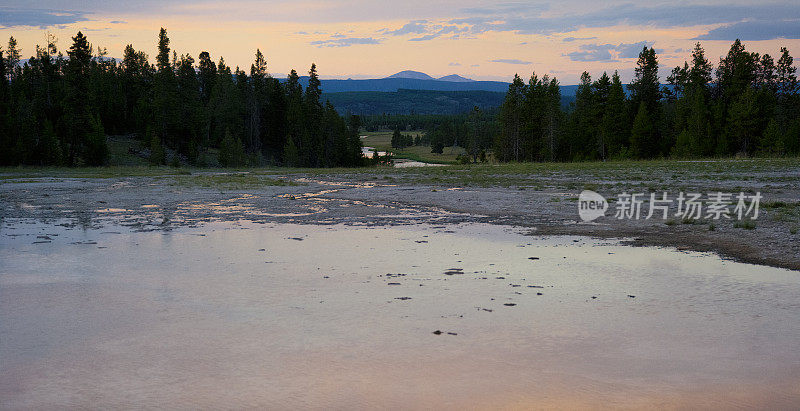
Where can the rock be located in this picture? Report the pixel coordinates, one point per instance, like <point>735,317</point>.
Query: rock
<point>533,258</point>
<point>437,332</point>
<point>509,304</point>
<point>631,296</point>
<point>295,238</point>
<point>538,293</point>
<point>449,333</point>
<point>402,298</point>
<point>392,283</point>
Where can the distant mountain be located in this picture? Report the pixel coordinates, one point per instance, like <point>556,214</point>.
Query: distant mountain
<point>395,96</point>
<point>394,84</point>
<point>456,78</point>
<point>417,75</point>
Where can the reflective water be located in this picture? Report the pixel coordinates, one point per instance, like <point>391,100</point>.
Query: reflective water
<point>283,316</point>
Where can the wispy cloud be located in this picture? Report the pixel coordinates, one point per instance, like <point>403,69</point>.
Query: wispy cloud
<point>755,30</point>
<point>413,27</point>
<point>757,22</point>
<point>511,61</point>
<point>571,39</point>
<point>345,41</point>
<point>41,18</point>
<point>608,52</point>
<point>425,37</point>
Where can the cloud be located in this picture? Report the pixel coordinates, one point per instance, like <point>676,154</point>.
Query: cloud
<point>453,64</point>
<point>413,27</point>
<point>632,50</point>
<point>425,37</point>
<point>118,22</point>
<point>609,52</point>
<point>754,20</point>
<point>667,15</point>
<point>755,30</point>
<point>345,41</point>
<point>429,31</point>
<point>41,18</point>
<point>593,52</point>
<point>571,39</point>
<point>510,61</point>
<point>505,8</point>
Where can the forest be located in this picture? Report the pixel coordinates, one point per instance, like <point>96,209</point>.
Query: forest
<point>58,110</point>
<point>748,105</point>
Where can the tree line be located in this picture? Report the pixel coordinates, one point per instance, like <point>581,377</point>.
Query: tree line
<point>57,110</point>
<point>748,105</point>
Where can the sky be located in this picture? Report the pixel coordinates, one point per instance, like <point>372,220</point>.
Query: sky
<point>376,38</point>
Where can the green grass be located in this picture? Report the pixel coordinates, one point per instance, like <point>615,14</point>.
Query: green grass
<point>608,177</point>
<point>8,173</point>
<point>382,140</point>
<point>745,224</point>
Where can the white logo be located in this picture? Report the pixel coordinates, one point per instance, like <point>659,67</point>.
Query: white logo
<point>591,206</point>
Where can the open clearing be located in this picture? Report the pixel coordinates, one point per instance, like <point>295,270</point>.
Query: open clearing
<point>542,197</point>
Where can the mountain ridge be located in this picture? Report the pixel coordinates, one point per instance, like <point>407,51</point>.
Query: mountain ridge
<point>411,74</point>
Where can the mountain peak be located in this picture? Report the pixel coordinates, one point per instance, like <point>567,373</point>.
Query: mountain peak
<point>455,77</point>
<point>411,74</point>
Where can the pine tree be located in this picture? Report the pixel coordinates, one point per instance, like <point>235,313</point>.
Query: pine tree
<point>6,141</point>
<point>313,114</point>
<point>646,94</point>
<point>642,134</point>
<point>397,139</point>
<point>79,123</point>
<point>257,103</point>
<point>96,151</point>
<point>614,121</point>
<point>291,156</point>
<point>165,100</point>
<point>13,55</point>
<point>601,90</point>
<point>786,74</point>
<point>508,144</point>
<point>231,152</point>
<point>49,147</point>
<point>295,125</point>
<point>190,121</point>
<point>583,139</point>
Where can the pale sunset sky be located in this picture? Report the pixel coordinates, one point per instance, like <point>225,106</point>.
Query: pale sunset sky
<point>373,39</point>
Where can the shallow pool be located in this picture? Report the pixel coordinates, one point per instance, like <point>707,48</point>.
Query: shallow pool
<point>241,315</point>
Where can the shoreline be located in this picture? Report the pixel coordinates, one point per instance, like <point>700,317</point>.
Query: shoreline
<point>544,202</point>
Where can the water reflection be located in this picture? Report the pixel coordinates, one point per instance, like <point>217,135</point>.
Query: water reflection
<point>238,315</point>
